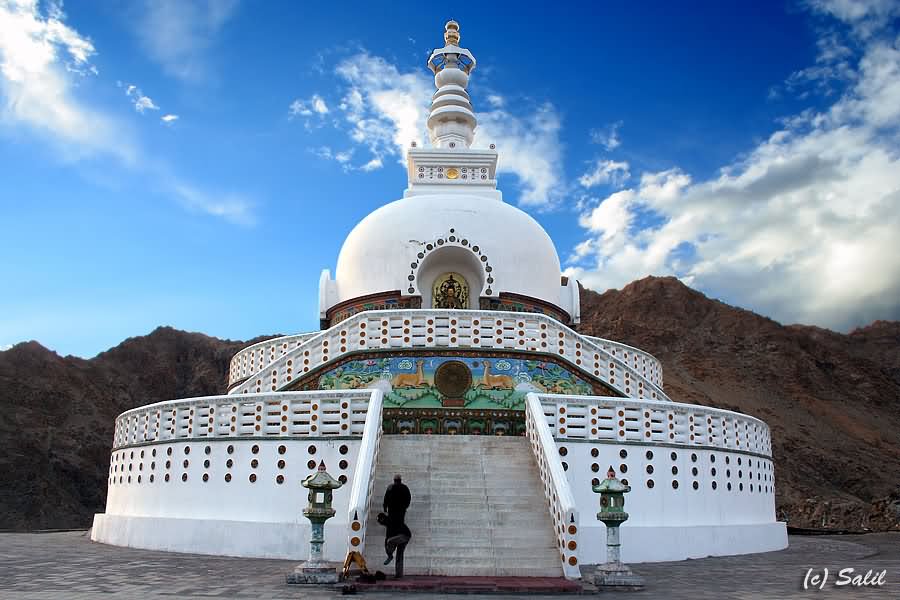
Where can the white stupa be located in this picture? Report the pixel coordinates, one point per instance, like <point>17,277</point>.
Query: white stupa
<point>448,352</point>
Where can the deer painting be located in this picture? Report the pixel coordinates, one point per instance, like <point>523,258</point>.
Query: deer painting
<point>411,380</point>
<point>489,381</point>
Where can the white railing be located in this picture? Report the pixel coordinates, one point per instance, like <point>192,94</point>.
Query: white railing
<point>646,421</point>
<point>364,475</point>
<point>562,506</point>
<point>642,361</point>
<point>463,329</point>
<point>253,358</point>
<point>286,414</point>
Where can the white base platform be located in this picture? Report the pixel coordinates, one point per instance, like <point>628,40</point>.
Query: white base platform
<point>291,540</point>
<point>669,543</point>
<point>251,539</point>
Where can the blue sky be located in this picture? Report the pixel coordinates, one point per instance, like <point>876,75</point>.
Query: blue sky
<point>197,164</point>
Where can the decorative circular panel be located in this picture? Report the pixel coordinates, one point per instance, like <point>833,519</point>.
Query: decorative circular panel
<point>453,378</point>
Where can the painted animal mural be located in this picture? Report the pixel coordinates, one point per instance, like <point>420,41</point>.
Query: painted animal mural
<point>497,383</point>
<point>413,380</point>
<point>489,381</point>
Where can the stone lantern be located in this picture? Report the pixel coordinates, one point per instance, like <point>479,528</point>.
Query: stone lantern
<point>612,513</point>
<point>316,570</point>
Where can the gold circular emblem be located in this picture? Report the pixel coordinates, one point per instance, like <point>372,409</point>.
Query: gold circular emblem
<point>453,378</point>
<point>452,173</point>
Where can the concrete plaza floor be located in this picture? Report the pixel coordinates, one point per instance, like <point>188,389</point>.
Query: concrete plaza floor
<point>67,565</point>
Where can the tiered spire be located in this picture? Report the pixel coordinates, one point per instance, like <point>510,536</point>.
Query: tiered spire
<point>451,165</point>
<point>452,121</point>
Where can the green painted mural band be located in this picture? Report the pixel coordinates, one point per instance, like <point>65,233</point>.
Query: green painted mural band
<point>496,383</point>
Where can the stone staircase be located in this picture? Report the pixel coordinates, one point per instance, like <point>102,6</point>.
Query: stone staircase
<point>478,507</point>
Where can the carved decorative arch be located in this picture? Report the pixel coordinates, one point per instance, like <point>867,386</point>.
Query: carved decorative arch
<point>452,239</point>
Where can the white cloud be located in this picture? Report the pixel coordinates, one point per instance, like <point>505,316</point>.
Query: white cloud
<point>178,34</point>
<point>530,149</point>
<point>866,17</point>
<point>299,108</point>
<point>342,157</point>
<point>41,60</point>
<point>372,165</point>
<point>5,347</point>
<point>802,229</point>
<point>318,105</point>
<point>607,136</point>
<point>140,101</point>
<point>384,108</point>
<point>144,103</point>
<point>606,172</point>
<point>232,207</point>
<point>39,57</point>
<point>168,118</point>
<point>307,108</point>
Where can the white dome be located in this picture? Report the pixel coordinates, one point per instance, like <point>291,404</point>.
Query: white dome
<point>408,243</point>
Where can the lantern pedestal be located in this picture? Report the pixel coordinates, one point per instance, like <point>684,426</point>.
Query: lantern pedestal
<point>614,574</point>
<point>617,576</point>
<point>314,572</point>
<point>319,510</point>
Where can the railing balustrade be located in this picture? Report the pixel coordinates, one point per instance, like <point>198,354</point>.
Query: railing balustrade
<point>560,500</point>
<point>448,329</point>
<point>312,414</point>
<point>640,360</point>
<point>627,420</point>
<point>364,476</point>
<point>251,359</point>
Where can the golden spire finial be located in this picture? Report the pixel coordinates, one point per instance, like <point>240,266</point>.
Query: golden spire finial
<point>451,33</point>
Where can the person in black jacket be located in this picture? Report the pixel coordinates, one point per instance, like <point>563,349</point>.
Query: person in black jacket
<point>396,500</point>
<point>397,535</point>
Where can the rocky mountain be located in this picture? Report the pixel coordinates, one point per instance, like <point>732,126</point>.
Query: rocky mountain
<point>58,417</point>
<point>831,400</point>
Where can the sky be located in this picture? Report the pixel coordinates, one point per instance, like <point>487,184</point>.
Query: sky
<point>198,163</point>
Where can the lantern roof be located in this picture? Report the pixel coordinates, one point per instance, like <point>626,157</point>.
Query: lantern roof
<point>611,484</point>
<point>321,480</point>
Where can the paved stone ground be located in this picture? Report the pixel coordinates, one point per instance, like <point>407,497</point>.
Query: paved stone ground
<point>67,565</point>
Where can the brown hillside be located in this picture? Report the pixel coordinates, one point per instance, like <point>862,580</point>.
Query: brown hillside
<point>832,401</point>
<point>59,413</point>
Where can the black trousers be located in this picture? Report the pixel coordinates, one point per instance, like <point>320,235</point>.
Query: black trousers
<point>395,546</point>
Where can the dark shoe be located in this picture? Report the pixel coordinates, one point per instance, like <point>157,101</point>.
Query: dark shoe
<point>388,560</point>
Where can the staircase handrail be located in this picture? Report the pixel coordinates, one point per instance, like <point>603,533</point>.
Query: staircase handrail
<point>563,509</point>
<point>364,474</point>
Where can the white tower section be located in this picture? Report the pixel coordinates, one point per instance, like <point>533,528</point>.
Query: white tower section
<point>452,121</point>
<point>450,166</point>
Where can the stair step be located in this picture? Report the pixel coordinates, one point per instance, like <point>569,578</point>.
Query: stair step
<point>478,507</point>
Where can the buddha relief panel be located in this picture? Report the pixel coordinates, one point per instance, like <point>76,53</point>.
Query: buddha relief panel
<point>450,290</point>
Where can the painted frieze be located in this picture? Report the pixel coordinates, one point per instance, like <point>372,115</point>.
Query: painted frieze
<point>495,383</point>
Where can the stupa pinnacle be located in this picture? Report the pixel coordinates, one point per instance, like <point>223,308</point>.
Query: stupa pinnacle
<point>452,121</point>
<point>451,165</point>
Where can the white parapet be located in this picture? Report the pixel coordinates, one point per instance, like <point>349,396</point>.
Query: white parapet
<point>221,474</point>
<point>438,329</point>
<point>702,479</point>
